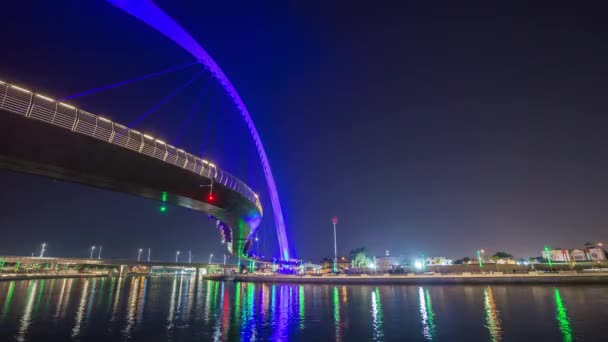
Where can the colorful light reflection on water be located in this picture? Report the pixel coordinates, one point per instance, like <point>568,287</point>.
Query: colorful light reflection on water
<point>190,309</point>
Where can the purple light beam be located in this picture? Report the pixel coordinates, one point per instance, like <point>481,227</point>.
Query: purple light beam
<point>149,13</point>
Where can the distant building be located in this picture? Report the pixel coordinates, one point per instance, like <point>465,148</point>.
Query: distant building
<point>505,261</point>
<point>556,255</point>
<point>438,261</point>
<point>595,254</point>
<point>387,262</point>
<point>579,255</point>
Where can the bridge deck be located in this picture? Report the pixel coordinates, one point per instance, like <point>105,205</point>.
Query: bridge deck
<point>48,138</point>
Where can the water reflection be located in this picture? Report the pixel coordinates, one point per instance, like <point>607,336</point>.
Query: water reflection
<point>80,312</point>
<point>8,299</point>
<point>171,317</point>
<point>337,315</point>
<point>186,308</point>
<point>491,315</point>
<point>301,306</point>
<point>116,299</point>
<point>25,321</point>
<point>377,322</point>
<point>136,302</point>
<point>563,321</point>
<point>426,312</point>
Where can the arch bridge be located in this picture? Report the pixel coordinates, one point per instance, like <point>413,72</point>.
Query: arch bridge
<point>42,136</point>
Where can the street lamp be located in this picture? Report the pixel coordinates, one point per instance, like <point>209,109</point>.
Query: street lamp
<point>92,249</point>
<point>42,249</point>
<point>177,256</point>
<point>99,254</point>
<point>189,257</point>
<point>334,221</point>
<point>139,253</point>
<point>224,259</point>
<point>210,257</point>
<point>148,254</point>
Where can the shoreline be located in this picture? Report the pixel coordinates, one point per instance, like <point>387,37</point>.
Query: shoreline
<point>468,279</point>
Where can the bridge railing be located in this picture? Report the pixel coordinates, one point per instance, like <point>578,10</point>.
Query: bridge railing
<point>35,106</point>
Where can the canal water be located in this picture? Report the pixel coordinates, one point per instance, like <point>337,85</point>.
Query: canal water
<point>187,309</point>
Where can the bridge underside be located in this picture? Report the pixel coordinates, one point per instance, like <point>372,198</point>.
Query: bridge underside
<point>34,147</point>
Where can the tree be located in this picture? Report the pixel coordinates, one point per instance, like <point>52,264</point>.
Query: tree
<point>466,260</point>
<point>359,257</point>
<point>327,262</point>
<point>501,255</point>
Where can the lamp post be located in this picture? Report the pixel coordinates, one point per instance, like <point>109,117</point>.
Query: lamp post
<point>224,259</point>
<point>42,249</point>
<point>99,254</point>
<point>177,256</point>
<point>92,249</point>
<point>210,257</point>
<point>148,254</point>
<point>139,253</point>
<point>334,221</point>
<point>189,257</point>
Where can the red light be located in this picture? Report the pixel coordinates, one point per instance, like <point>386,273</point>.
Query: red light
<point>211,198</point>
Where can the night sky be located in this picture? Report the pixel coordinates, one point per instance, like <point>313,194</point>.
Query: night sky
<point>427,128</point>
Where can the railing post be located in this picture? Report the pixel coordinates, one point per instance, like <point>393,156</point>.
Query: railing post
<point>112,134</point>
<point>31,105</point>
<point>76,120</point>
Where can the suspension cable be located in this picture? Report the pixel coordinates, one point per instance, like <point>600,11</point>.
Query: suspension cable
<point>162,102</point>
<point>189,116</point>
<point>129,81</point>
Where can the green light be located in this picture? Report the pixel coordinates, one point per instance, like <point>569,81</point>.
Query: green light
<point>562,317</point>
<point>163,208</point>
<point>301,306</point>
<point>548,256</point>
<point>237,301</point>
<point>164,196</point>
<point>377,321</point>
<point>9,299</point>
<point>479,259</point>
<point>427,315</point>
<point>429,308</point>
<point>337,314</point>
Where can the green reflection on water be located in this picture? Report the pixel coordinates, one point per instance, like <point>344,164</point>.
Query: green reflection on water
<point>237,302</point>
<point>377,319</point>
<point>492,320</point>
<point>301,309</point>
<point>9,299</point>
<point>563,320</point>
<point>337,314</point>
<point>426,311</point>
<point>37,307</point>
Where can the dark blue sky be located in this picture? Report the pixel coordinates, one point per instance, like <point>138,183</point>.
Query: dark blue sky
<point>424,128</point>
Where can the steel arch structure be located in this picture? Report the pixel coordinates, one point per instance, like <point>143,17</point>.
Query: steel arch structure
<point>147,12</point>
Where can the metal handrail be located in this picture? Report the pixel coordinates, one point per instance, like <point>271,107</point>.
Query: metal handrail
<point>35,106</point>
